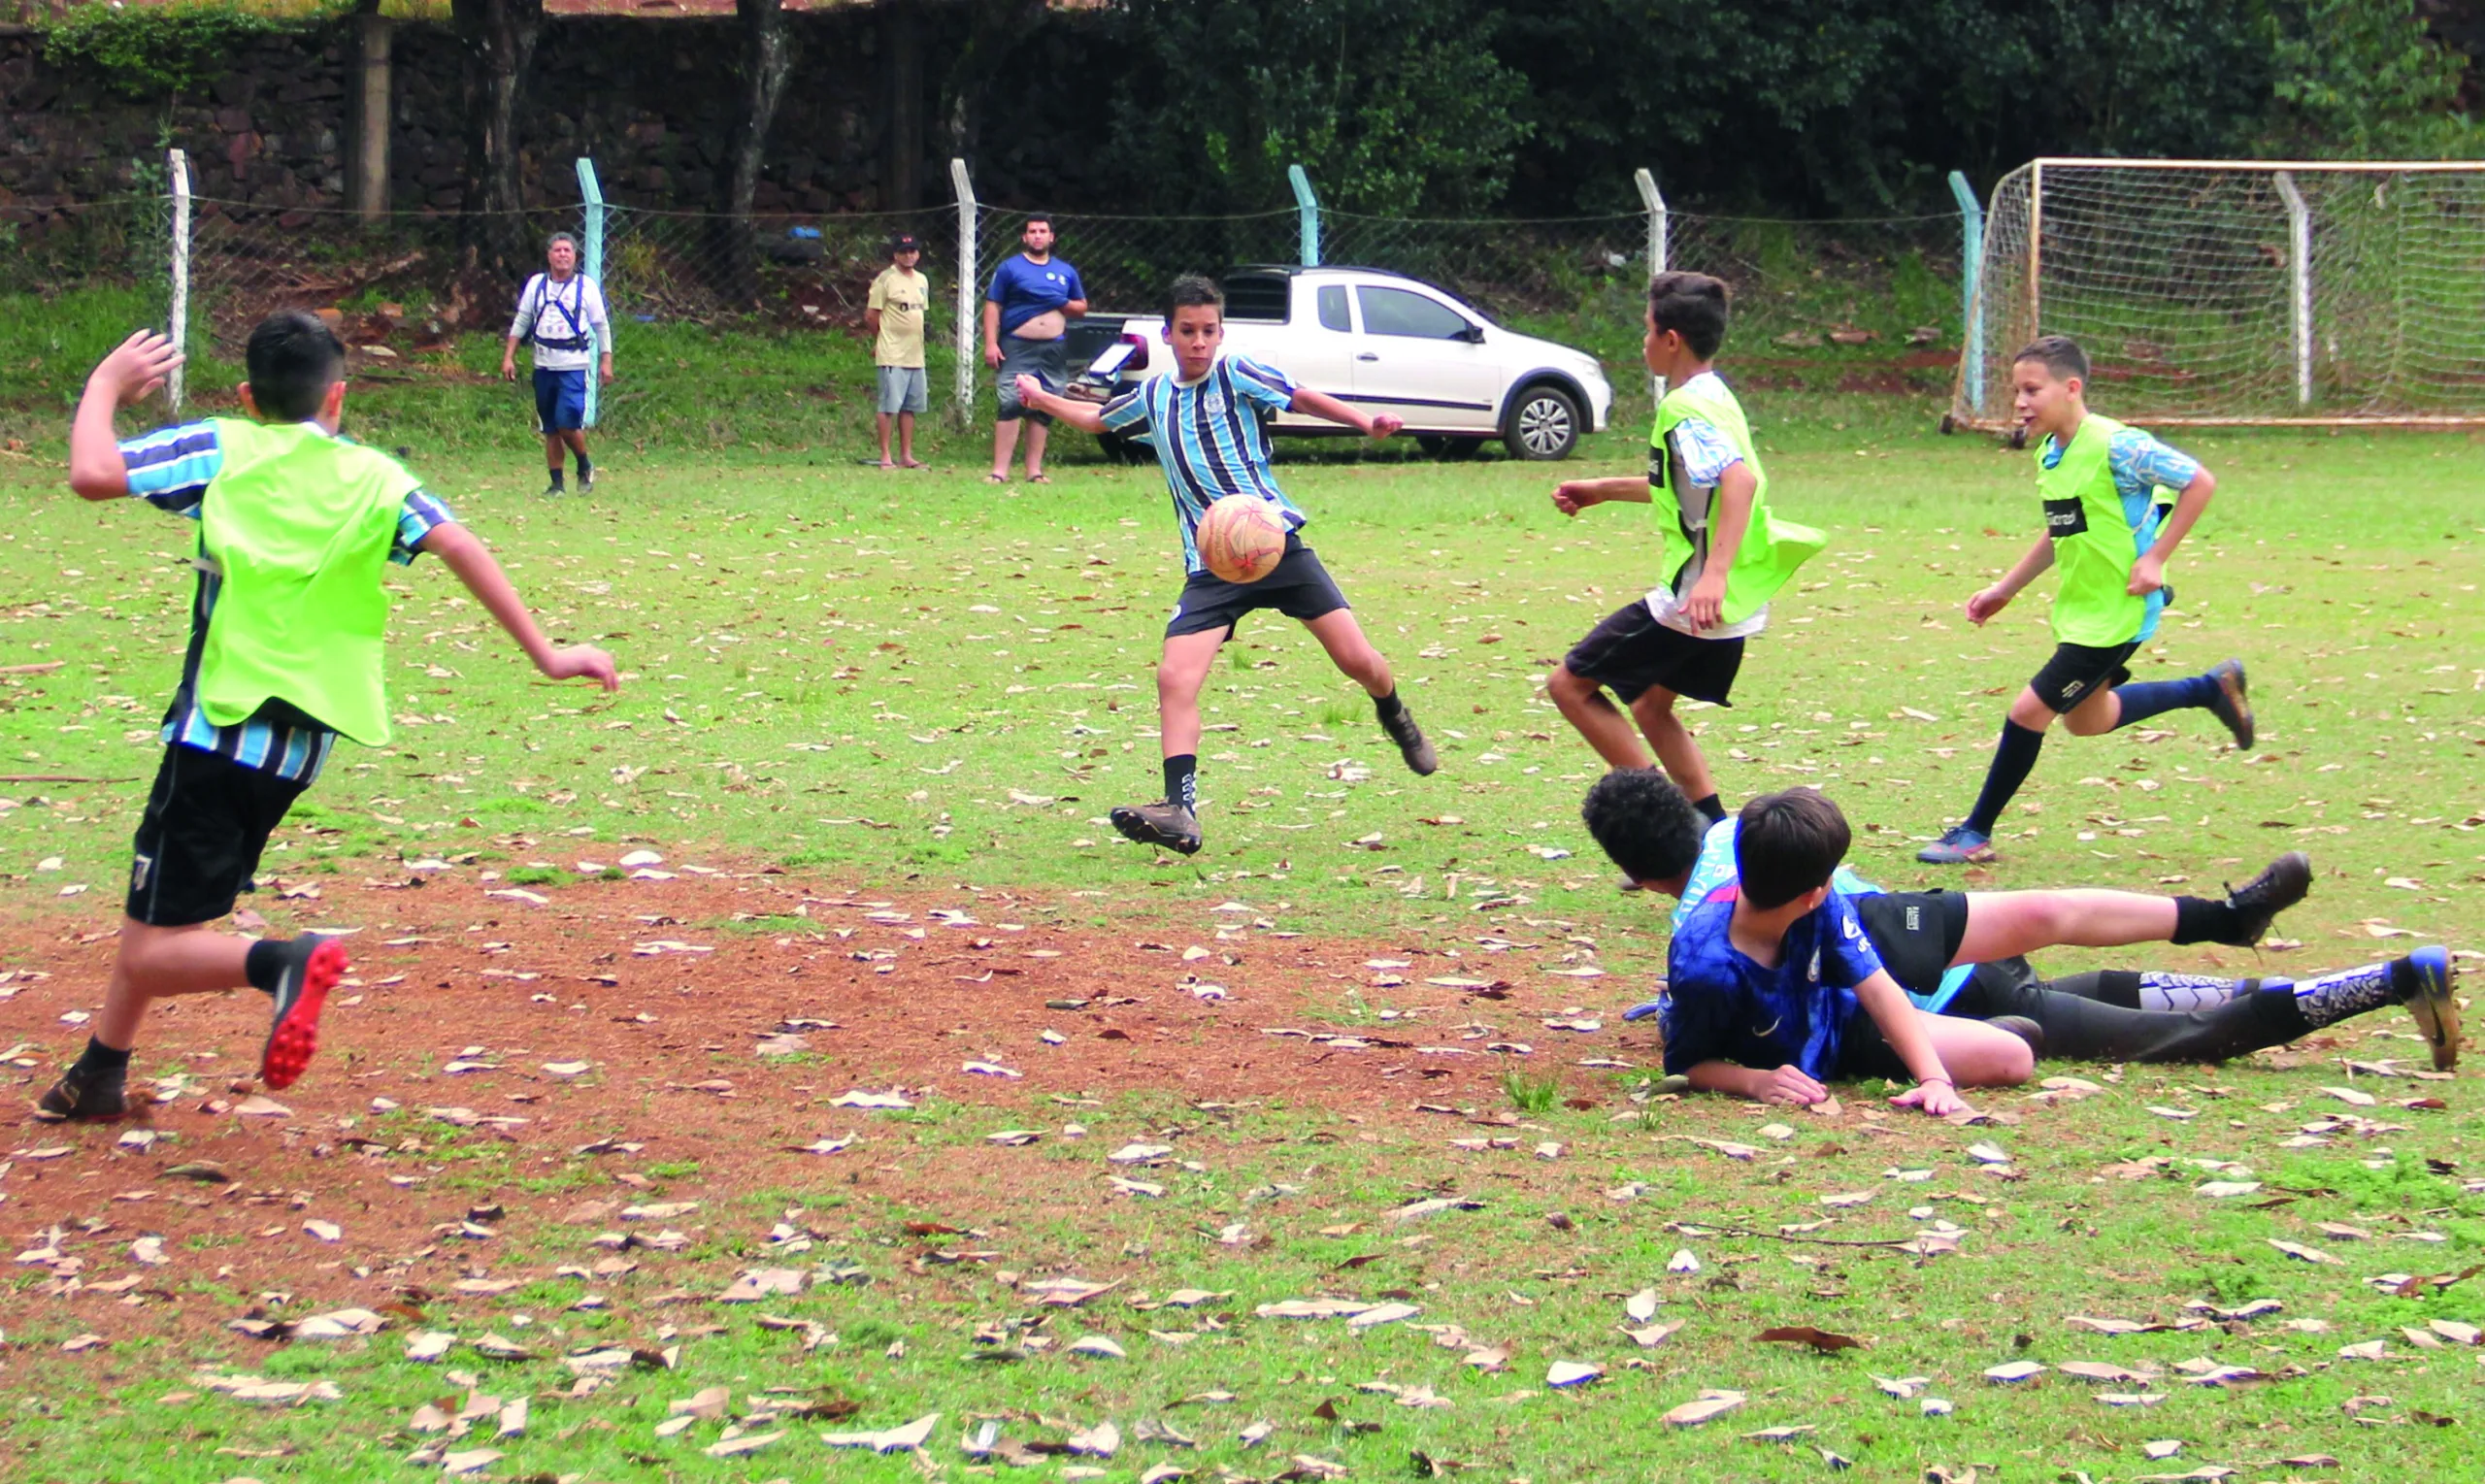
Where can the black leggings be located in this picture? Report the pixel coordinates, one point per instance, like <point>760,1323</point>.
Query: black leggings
<point>2082,1023</point>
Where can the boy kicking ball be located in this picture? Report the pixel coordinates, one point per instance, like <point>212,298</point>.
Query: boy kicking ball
<point>297,527</point>
<point>2107,526</point>
<point>1207,424</point>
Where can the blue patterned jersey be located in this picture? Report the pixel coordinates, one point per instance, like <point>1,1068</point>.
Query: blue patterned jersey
<point>1721,1005</point>
<point>1211,439</point>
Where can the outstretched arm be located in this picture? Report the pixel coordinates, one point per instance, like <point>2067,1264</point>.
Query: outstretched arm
<point>1787,1086</point>
<point>1903,1026</point>
<point>1373,425</point>
<point>136,367</point>
<point>1085,416</point>
<point>466,556</point>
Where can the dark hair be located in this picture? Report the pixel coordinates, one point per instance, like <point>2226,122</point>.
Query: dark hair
<point>1786,844</point>
<point>2060,353</point>
<point>1692,305</point>
<point>293,360</point>
<point>1645,824</point>
<point>1032,219</point>
<point>1190,291</point>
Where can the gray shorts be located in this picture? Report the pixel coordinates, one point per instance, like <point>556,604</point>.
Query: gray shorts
<point>903,389</point>
<point>1042,359</point>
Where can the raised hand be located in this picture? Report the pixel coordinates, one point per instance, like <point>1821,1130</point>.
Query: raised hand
<point>135,368</point>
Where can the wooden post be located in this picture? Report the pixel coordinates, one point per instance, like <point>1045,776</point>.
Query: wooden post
<point>366,185</point>
<point>902,65</point>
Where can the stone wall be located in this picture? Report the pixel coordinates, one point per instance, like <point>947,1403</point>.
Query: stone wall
<point>650,101</point>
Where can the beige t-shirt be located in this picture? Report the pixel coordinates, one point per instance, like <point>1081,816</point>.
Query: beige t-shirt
<point>900,295</point>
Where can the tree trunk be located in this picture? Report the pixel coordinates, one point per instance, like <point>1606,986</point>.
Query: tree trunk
<point>767,62</point>
<point>994,29</point>
<point>367,177</point>
<point>499,37</point>
<point>902,60</point>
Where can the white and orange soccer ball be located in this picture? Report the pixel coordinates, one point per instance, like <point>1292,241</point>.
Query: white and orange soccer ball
<point>1241,537</point>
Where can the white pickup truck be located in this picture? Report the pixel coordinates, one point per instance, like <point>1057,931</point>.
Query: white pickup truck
<point>1387,343</point>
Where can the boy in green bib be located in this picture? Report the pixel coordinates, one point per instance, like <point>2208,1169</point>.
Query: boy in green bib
<point>1722,554</point>
<point>297,527</point>
<point>2106,490</point>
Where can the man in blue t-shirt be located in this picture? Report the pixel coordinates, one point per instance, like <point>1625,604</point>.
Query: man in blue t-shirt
<point>1026,316</point>
<point>1961,954</point>
<point>1207,421</point>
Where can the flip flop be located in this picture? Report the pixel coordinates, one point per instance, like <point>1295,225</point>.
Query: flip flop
<point>996,478</point>
<point>1039,479</point>
<point>913,464</point>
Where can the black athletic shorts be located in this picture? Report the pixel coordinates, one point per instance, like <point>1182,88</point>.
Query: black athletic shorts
<point>1917,933</point>
<point>1298,587</point>
<point>198,843</point>
<point>2078,671</point>
<point>1629,651</point>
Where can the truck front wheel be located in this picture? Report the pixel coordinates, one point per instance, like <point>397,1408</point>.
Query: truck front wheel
<point>1543,424</point>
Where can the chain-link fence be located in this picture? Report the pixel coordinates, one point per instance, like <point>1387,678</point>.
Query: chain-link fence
<point>121,242</point>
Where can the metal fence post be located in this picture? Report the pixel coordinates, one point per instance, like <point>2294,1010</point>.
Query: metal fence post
<point>2299,274</point>
<point>592,264</point>
<point>1658,247</point>
<point>177,326</point>
<point>967,270</point>
<point>1970,283</point>
<point>1308,206</point>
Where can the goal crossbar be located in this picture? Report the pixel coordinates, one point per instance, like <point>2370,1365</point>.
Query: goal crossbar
<point>2308,293</point>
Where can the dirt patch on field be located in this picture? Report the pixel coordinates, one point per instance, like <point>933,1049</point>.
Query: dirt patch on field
<point>615,1034</point>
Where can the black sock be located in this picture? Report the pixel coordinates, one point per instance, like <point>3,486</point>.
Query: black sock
<point>264,965</point>
<point>586,467</point>
<point>1388,708</point>
<point>99,1057</point>
<point>2199,920</point>
<point>1710,810</point>
<point>1182,780</point>
<point>556,476</point>
<point>2015,757</point>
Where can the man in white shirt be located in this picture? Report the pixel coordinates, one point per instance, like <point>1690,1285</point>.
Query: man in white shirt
<point>560,314</point>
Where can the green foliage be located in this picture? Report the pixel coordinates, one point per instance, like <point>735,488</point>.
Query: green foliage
<point>153,50</point>
<point>1533,1094</point>
<point>2361,80</point>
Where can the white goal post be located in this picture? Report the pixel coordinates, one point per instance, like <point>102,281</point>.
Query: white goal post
<point>2280,293</point>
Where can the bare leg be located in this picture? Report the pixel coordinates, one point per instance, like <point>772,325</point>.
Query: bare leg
<point>154,963</point>
<point>1179,674</point>
<point>1675,746</point>
<point>552,446</point>
<point>1583,704</point>
<point>1005,442</point>
<point>885,461</point>
<point>1978,1054</point>
<point>1038,434</point>
<point>2101,713</point>
<point>2004,924</point>
<point>575,440</point>
<point>905,440</point>
<point>1351,653</point>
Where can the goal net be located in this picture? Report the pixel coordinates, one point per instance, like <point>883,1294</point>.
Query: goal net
<point>2235,291</point>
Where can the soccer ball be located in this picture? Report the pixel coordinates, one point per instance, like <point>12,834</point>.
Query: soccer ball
<point>1241,537</point>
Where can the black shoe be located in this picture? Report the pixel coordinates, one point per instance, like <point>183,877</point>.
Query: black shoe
<point>2230,706</point>
<point>586,480</point>
<point>2026,1029</point>
<point>1169,825</point>
<point>85,1096</point>
<point>553,488</point>
<point>1410,738</point>
<point>312,966</point>
<point>2281,885</point>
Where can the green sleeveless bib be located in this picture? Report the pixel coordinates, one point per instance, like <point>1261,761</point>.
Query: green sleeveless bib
<point>2094,542</point>
<point>1772,549</point>
<point>300,525</point>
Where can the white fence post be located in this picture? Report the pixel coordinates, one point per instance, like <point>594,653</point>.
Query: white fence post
<point>2300,269</point>
<point>1658,247</point>
<point>967,326</point>
<point>177,326</point>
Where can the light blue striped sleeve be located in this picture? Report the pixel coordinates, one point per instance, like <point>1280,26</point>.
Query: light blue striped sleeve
<point>1266,385</point>
<point>171,468</point>
<point>1127,412</point>
<point>421,515</point>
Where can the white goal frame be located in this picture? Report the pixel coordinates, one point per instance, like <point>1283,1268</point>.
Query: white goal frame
<point>2303,293</point>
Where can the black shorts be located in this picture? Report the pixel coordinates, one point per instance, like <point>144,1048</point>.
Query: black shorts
<point>1917,933</point>
<point>1864,1053</point>
<point>1298,587</point>
<point>2078,671</point>
<point>208,818</point>
<point>1630,653</point>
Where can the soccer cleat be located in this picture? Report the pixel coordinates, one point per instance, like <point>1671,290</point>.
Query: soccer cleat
<point>2281,885</point>
<point>586,482</point>
<point>85,1096</point>
<point>2026,1029</point>
<point>1420,758</point>
<point>552,489</point>
<point>2428,1001</point>
<point>312,967</point>
<point>1169,825</point>
<point>1958,846</point>
<point>2229,705</point>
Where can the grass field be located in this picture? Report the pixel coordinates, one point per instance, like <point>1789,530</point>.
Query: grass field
<point>915,689</point>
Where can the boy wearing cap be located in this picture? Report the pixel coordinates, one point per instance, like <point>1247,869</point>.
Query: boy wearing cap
<point>894,314</point>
